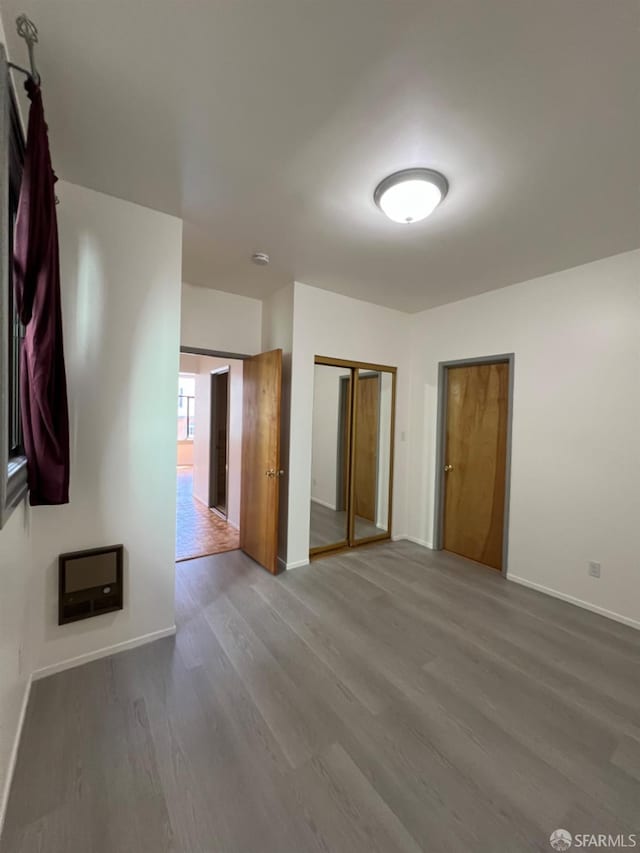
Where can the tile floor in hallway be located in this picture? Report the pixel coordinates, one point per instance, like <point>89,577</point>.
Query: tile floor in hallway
<point>199,530</point>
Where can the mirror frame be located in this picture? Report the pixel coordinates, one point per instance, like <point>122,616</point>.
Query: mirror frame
<point>355,367</point>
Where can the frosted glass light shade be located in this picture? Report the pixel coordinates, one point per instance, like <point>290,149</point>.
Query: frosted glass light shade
<point>410,195</point>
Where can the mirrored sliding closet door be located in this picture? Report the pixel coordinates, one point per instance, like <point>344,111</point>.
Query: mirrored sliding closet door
<point>373,424</point>
<point>352,454</point>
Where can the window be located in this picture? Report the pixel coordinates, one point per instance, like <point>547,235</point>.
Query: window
<point>186,406</point>
<point>13,472</point>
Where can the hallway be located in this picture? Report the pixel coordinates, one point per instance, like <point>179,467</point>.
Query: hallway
<point>199,530</point>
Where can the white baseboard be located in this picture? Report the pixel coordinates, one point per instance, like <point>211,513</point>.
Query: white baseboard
<point>103,653</point>
<point>297,564</point>
<point>421,542</point>
<point>323,503</point>
<point>14,753</point>
<point>601,611</point>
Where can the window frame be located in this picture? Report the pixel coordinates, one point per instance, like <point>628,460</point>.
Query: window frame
<point>13,467</point>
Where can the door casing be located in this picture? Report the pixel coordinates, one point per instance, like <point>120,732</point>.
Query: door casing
<point>441,431</point>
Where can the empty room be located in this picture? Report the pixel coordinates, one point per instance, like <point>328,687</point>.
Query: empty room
<point>319,426</point>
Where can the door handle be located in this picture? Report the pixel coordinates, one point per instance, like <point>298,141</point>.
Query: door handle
<point>448,468</point>
<point>271,472</point>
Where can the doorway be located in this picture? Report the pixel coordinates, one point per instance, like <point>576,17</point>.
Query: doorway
<point>229,479</point>
<point>209,455</point>
<point>473,458</point>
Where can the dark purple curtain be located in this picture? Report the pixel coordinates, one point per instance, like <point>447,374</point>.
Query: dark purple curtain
<point>45,416</point>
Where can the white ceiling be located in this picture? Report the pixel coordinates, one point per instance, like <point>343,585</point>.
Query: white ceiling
<point>266,125</point>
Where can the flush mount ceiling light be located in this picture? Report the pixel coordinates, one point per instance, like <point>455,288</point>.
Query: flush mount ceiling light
<point>410,195</point>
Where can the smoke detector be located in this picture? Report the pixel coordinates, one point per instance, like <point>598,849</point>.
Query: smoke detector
<point>260,258</point>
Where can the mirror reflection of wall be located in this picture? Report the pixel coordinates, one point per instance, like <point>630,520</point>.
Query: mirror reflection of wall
<point>329,455</point>
<point>352,450</point>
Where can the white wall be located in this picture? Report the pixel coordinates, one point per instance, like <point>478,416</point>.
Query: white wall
<point>189,363</point>
<point>202,433</point>
<point>120,274</point>
<point>333,325</point>
<point>235,443</point>
<point>277,333</point>
<point>215,320</point>
<point>575,483</point>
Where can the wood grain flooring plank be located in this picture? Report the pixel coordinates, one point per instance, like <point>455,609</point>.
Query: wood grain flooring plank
<point>562,737</point>
<point>331,698</point>
<point>324,640</point>
<point>347,809</point>
<point>610,696</point>
<point>424,566</point>
<point>374,633</point>
<point>289,714</point>
<point>386,699</point>
<point>439,803</point>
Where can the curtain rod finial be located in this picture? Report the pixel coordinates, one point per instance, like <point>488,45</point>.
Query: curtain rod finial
<point>26,29</point>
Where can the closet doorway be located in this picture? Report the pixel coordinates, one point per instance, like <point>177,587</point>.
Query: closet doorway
<point>352,454</point>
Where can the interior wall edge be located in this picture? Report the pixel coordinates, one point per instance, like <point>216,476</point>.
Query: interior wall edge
<point>14,752</point>
<point>104,652</point>
<point>577,602</point>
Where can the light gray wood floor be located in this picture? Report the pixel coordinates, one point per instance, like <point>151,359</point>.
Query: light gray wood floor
<point>388,699</point>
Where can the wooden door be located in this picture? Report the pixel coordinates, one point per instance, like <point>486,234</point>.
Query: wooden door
<point>366,446</point>
<point>475,461</point>
<point>260,485</point>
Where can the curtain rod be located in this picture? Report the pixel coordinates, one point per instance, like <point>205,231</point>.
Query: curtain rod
<point>28,31</point>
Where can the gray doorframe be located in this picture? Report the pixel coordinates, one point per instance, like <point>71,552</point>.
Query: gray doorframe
<point>438,519</point>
